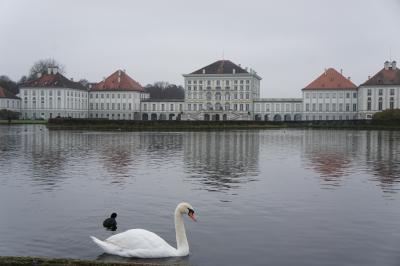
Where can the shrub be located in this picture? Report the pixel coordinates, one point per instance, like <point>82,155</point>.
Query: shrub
<point>8,114</point>
<point>387,116</point>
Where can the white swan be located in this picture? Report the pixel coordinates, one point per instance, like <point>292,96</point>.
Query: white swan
<point>141,243</point>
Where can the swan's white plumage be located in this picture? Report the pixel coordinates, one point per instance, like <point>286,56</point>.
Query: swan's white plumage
<point>141,243</point>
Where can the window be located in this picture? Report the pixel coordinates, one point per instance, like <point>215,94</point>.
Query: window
<point>347,107</point>
<point>340,107</point>
<point>391,103</point>
<point>327,107</point>
<point>380,104</point>
<point>307,107</point>
<point>354,94</point>
<point>189,88</point>
<point>267,107</point>
<point>314,107</point>
<point>307,95</point>
<point>348,95</point>
<point>369,104</point>
<point>354,107</point>
<point>321,95</point>
<point>391,92</point>
<point>369,92</point>
<point>247,87</point>
<point>314,95</point>
<point>227,83</point>
<point>380,92</point>
<point>247,81</point>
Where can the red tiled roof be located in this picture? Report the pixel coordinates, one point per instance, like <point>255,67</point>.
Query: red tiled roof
<point>7,94</point>
<point>118,81</point>
<point>384,77</point>
<point>53,81</point>
<point>220,67</point>
<point>331,80</point>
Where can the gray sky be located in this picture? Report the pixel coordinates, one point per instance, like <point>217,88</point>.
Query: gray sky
<point>289,43</point>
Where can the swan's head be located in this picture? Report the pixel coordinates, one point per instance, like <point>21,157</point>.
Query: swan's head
<point>186,208</point>
<point>114,215</point>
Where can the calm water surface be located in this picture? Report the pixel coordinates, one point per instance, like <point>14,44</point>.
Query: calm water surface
<point>268,197</point>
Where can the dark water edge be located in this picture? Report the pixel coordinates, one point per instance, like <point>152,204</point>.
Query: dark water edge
<point>41,261</point>
<point>132,125</point>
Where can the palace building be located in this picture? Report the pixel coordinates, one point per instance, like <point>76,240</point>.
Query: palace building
<point>9,101</point>
<point>221,90</point>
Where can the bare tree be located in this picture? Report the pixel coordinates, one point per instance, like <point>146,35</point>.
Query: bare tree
<point>42,65</point>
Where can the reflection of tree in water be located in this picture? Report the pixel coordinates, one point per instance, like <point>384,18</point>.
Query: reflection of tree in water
<point>383,158</point>
<point>222,160</point>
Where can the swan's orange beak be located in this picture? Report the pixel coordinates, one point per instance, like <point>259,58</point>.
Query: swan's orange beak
<point>191,215</point>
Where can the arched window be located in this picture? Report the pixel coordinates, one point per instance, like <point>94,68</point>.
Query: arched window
<point>227,96</point>
<point>218,96</point>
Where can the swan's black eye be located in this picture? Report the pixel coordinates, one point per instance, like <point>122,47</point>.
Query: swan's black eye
<point>190,211</point>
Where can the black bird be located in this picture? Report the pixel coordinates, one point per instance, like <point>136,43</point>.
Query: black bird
<point>111,223</point>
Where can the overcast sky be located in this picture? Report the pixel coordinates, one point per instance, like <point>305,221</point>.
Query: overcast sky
<point>289,43</point>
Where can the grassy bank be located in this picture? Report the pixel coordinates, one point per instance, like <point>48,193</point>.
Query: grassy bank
<point>22,122</point>
<point>128,125</point>
<point>38,261</point>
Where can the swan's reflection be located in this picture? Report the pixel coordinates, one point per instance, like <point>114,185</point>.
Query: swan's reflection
<point>181,261</point>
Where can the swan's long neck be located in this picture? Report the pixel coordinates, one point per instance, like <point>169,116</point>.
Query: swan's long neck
<point>181,239</point>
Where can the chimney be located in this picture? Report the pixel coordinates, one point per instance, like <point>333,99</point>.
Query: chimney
<point>49,70</point>
<point>369,77</point>
<point>39,75</point>
<point>234,71</point>
<point>386,65</point>
<point>204,71</point>
<point>246,68</point>
<point>349,78</point>
<point>394,65</point>
<point>124,70</point>
<point>104,78</point>
<point>325,71</point>
<point>341,71</point>
<point>119,73</point>
<point>55,70</point>
<point>72,79</point>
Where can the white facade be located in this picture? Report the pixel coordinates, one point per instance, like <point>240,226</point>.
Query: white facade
<point>45,103</point>
<point>221,96</point>
<point>115,105</point>
<point>376,99</point>
<point>10,104</point>
<point>330,104</point>
<point>278,109</point>
<point>380,92</point>
<point>162,109</point>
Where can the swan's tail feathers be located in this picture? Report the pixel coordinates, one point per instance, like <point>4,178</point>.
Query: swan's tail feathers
<point>106,247</point>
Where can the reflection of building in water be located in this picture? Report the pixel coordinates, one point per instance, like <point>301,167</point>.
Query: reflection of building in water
<point>48,153</point>
<point>330,153</point>
<point>382,152</point>
<point>222,160</point>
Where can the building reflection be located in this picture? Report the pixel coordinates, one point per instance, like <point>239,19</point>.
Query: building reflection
<point>330,154</point>
<point>221,160</point>
<point>336,154</point>
<point>382,151</point>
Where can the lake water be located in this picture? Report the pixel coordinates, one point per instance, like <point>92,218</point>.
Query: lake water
<point>262,197</point>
